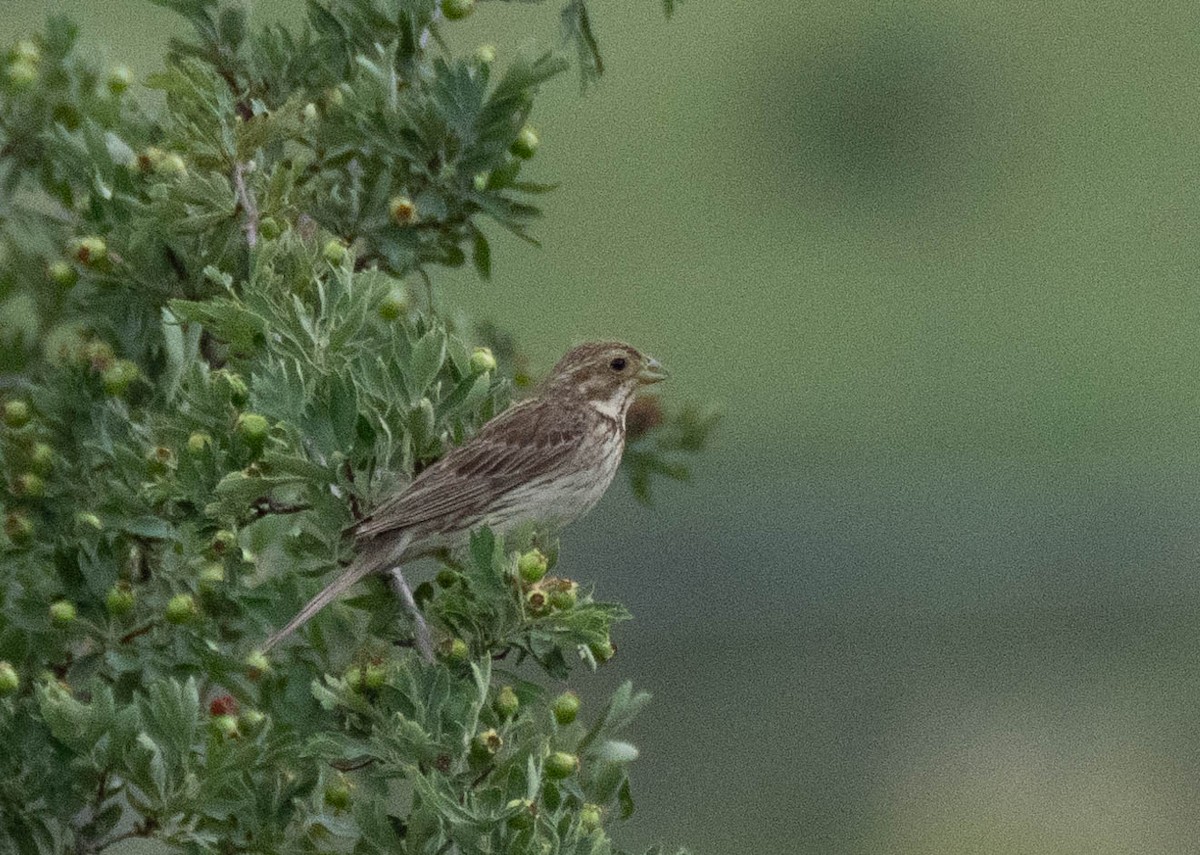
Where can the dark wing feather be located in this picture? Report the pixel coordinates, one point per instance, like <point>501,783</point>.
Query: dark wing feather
<point>519,446</point>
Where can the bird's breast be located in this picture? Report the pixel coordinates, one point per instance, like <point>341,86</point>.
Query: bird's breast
<point>568,492</point>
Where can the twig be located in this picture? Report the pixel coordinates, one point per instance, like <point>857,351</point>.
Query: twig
<point>247,203</point>
<point>483,776</point>
<point>352,765</point>
<point>134,633</point>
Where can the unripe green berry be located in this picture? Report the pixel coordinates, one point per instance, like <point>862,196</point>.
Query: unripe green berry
<point>17,414</point>
<point>566,707</point>
<point>456,10</point>
<point>86,519</point>
<point>526,811</point>
<point>99,355</point>
<point>9,680</point>
<point>198,442</point>
<point>603,652</point>
<point>120,78</point>
<point>21,74</point>
<point>160,460</point>
<point>337,794</point>
<point>251,720</point>
<point>211,575</point>
<point>253,428</point>
<point>27,51</point>
<point>119,601</point>
<point>481,180</point>
<point>19,528</point>
<point>181,608</point>
<point>171,165</point>
<point>506,704</point>
<point>446,578</point>
<point>222,542</point>
<point>118,377</point>
<point>41,458</point>
<point>335,251</point>
<point>269,228</point>
<point>29,486</point>
<point>485,54</point>
<point>333,98</point>
<point>90,250</point>
<point>148,159</point>
<point>62,273</point>
<point>526,144</point>
<point>564,598</point>
<point>482,360</point>
<point>590,816</point>
<point>225,726</point>
<point>454,650</point>
<point>309,113</point>
<point>354,678</point>
<point>532,566</point>
<point>374,676</point>
<point>560,764</point>
<point>394,304</point>
<point>487,744</point>
<point>402,210</point>
<point>257,664</point>
<point>62,613</point>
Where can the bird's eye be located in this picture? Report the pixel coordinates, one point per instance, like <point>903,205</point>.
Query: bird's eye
<point>617,364</point>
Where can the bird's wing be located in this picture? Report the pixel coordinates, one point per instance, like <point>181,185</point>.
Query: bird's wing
<point>517,447</point>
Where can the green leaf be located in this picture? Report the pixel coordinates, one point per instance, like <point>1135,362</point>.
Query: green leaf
<point>428,354</point>
<point>152,528</point>
<point>171,712</point>
<point>241,328</point>
<point>625,800</point>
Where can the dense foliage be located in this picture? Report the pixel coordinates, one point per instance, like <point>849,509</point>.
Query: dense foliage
<point>220,346</point>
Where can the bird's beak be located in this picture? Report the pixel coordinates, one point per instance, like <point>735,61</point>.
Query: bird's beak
<point>652,372</point>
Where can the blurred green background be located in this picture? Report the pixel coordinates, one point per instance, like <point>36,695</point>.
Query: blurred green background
<point>935,588</point>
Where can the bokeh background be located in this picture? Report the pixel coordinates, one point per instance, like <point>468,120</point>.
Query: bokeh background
<point>935,589</point>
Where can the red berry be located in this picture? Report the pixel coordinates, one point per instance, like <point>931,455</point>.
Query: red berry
<point>223,705</point>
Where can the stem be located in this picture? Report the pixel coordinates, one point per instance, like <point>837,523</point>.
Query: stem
<point>246,200</point>
<point>141,630</point>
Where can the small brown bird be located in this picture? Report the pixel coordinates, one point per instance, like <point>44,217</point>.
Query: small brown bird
<point>547,459</point>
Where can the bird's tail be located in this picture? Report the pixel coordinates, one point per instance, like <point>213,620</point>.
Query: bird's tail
<point>371,561</point>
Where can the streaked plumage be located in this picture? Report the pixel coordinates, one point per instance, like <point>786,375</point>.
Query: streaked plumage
<point>548,459</point>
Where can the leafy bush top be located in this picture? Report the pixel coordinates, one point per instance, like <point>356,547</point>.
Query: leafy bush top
<point>216,359</point>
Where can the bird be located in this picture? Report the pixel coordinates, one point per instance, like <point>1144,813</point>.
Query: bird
<point>546,459</point>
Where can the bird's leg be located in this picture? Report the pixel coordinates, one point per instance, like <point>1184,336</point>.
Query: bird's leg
<point>421,636</point>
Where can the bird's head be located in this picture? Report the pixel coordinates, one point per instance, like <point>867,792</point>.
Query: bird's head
<point>605,373</point>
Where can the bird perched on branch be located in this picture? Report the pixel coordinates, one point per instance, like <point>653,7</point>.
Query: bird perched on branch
<point>547,459</point>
